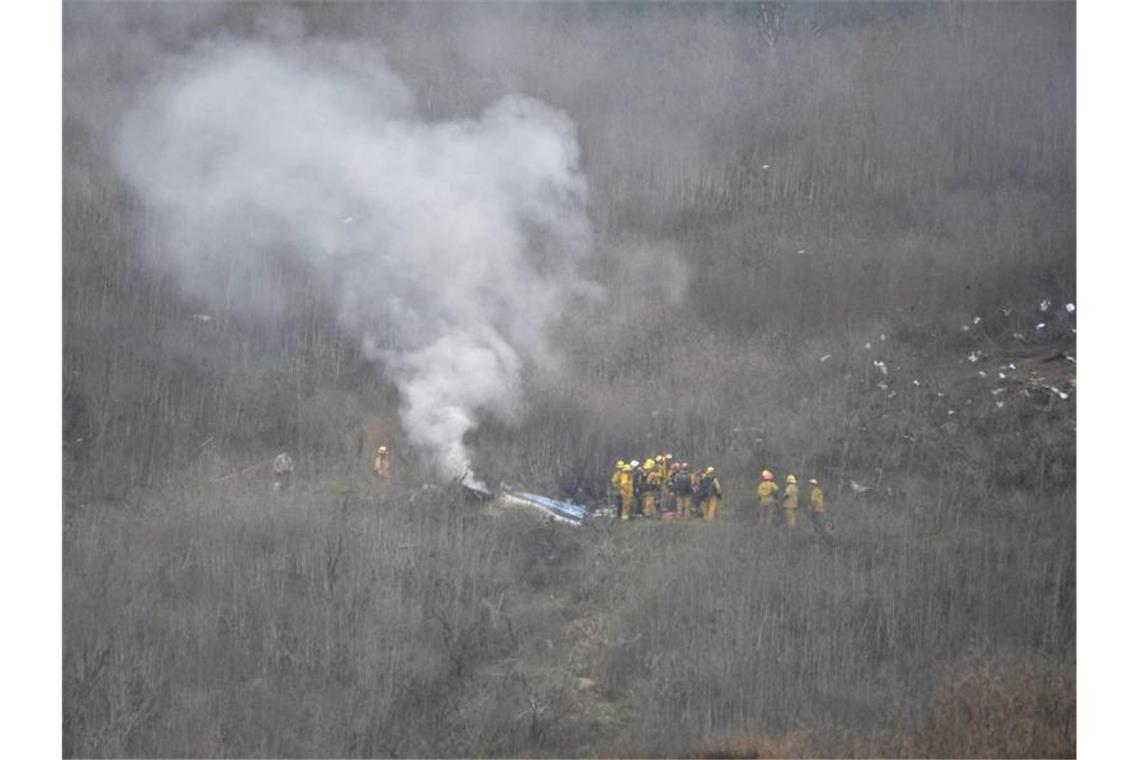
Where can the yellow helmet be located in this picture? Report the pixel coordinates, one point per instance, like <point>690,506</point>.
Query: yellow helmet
<point>659,458</point>
<point>619,464</point>
<point>648,464</point>
<point>710,470</point>
<point>626,468</point>
<point>767,475</point>
<point>791,479</point>
<point>382,450</point>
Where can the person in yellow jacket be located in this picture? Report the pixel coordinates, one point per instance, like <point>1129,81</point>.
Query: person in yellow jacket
<point>650,488</point>
<point>615,486</point>
<point>625,491</point>
<point>791,501</point>
<point>766,493</point>
<point>709,493</point>
<point>815,499</point>
<point>661,467</point>
<point>380,467</point>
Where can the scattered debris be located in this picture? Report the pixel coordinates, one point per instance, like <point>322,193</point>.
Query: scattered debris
<point>1001,375</point>
<point>981,373</point>
<point>883,386</point>
<point>1040,325</point>
<point>867,346</point>
<point>881,365</point>
<point>965,328</point>
<point>203,318</point>
<point>857,488</point>
<point>950,411</point>
<point>1006,310</point>
<point>892,394</point>
<point>801,252</point>
<point>997,391</point>
<point>999,404</point>
<point>882,337</point>
<point>1019,336</point>
<point>1070,307</point>
<point>977,320</point>
<point>766,167</point>
<point>973,357</point>
<point>1045,304</point>
<point>347,220</point>
<point>825,357</point>
<point>916,383</point>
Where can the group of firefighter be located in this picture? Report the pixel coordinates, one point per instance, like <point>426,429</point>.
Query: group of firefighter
<point>660,486</point>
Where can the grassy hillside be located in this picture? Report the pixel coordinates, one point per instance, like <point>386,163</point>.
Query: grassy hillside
<point>824,242</point>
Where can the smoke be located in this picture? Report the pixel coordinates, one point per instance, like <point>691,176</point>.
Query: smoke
<point>451,247</point>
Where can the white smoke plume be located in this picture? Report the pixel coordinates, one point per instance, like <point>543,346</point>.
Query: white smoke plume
<point>451,247</point>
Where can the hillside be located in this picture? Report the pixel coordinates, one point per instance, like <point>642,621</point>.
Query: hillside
<point>514,243</point>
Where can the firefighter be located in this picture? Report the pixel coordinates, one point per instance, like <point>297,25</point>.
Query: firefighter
<point>766,493</point>
<point>650,488</point>
<point>683,491</point>
<point>625,491</point>
<point>637,472</point>
<point>282,471</point>
<point>380,464</point>
<point>615,486</point>
<point>815,499</point>
<point>791,501</point>
<point>709,493</point>
<point>669,489</point>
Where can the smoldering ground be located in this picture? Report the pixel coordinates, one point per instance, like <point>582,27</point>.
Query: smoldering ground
<point>741,215</point>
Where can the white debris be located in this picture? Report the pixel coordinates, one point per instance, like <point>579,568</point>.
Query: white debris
<point>981,373</point>
<point>997,391</point>
<point>941,394</point>
<point>1001,375</point>
<point>203,318</point>
<point>882,337</point>
<point>867,346</point>
<point>883,386</point>
<point>977,320</point>
<point>916,383</point>
<point>825,357</point>
<point>1040,325</point>
<point>1019,336</point>
<point>950,411</point>
<point>1070,307</point>
<point>1010,367</point>
<point>973,357</point>
<point>347,220</point>
<point>1045,305</point>
<point>1059,392</point>
<point>892,394</point>
<point>999,404</point>
<point>766,167</point>
<point>881,365</point>
<point>1006,310</point>
<point>965,328</point>
<point>801,252</point>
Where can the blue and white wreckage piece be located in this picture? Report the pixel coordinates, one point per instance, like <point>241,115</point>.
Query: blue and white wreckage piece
<point>566,512</point>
